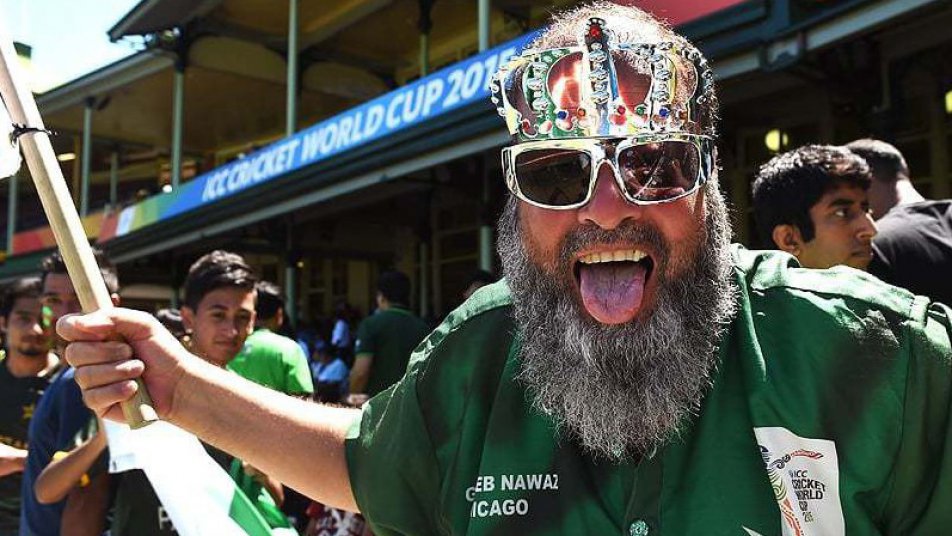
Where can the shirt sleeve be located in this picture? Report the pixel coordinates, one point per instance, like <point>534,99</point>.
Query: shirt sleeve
<point>73,413</point>
<point>365,339</point>
<point>396,498</point>
<point>922,483</point>
<point>299,373</point>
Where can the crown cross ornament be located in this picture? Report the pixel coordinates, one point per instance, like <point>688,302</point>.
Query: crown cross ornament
<point>580,91</point>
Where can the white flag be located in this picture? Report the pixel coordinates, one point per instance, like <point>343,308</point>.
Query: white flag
<point>198,495</point>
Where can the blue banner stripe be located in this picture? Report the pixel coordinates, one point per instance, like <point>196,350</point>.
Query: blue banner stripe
<point>458,85</point>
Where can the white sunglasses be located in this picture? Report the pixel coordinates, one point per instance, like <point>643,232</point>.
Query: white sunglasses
<point>649,169</point>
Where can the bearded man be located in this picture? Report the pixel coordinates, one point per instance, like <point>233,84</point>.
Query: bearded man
<point>632,374</point>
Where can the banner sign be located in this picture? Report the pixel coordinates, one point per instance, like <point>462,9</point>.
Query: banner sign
<point>456,86</point>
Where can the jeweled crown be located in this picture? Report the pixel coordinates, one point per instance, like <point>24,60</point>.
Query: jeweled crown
<point>532,90</point>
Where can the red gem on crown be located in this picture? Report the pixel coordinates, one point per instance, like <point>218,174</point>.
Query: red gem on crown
<point>528,128</point>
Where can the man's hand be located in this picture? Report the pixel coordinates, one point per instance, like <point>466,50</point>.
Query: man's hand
<point>218,406</point>
<point>110,348</point>
<point>12,460</point>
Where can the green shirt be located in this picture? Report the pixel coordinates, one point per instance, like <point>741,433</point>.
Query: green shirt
<point>274,361</point>
<point>390,336</point>
<point>277,362</point>
<point>829,414</point>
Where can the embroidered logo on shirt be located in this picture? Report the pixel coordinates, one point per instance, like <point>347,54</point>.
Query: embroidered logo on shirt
<point>804,474</point>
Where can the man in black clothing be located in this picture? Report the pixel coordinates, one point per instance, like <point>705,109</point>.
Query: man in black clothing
<point>26,365</point>
<point>913,249</point>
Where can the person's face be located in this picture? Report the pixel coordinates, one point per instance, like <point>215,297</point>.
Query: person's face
<point>620,387</point>
<point>844,230</point>
<point>222,321</point>
<point>59,298</point>
<point>611,287</point>
<point>24,330</point>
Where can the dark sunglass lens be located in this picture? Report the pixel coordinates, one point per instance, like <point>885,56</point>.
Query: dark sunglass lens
<point>555,177</point>
<point>659,171</point>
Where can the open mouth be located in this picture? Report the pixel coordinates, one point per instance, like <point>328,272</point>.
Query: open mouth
<point>612,282</point>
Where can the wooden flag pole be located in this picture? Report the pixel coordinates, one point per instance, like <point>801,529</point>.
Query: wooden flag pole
<point>58,205</point>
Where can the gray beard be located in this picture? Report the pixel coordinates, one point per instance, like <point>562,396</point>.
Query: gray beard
<point>620,390</point>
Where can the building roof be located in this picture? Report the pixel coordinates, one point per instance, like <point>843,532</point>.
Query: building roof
<point>150,16</point>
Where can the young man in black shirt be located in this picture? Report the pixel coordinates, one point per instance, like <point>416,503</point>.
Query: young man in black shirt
<point>26,365</point>
<point>913,249</point>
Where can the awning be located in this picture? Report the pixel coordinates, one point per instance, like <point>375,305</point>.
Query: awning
<point>375,142</point>
<point>400,111</point>
<point>21,265</point>
<point>150,16</point>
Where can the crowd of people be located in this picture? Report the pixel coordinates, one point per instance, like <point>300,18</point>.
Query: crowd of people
<point>54,476</point>
<point>635,372</point>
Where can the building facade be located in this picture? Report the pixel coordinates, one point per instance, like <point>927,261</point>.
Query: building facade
<point>390,156</point>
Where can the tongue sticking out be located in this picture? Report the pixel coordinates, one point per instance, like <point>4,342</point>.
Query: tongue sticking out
<point>612,291</point>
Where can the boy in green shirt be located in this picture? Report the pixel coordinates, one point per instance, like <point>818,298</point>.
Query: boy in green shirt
<point>218,315</point>
<point>268,358</point>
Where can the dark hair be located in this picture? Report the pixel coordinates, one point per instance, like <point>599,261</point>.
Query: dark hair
<point>885,161</point>
<point>482,277</point>
<point>172,320</point>
<point>216,270</point>
<point>270,300</point>
<point>54,264</point>
<point>790,184</point>
<point>25,287</point>
<point>395,286</point>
